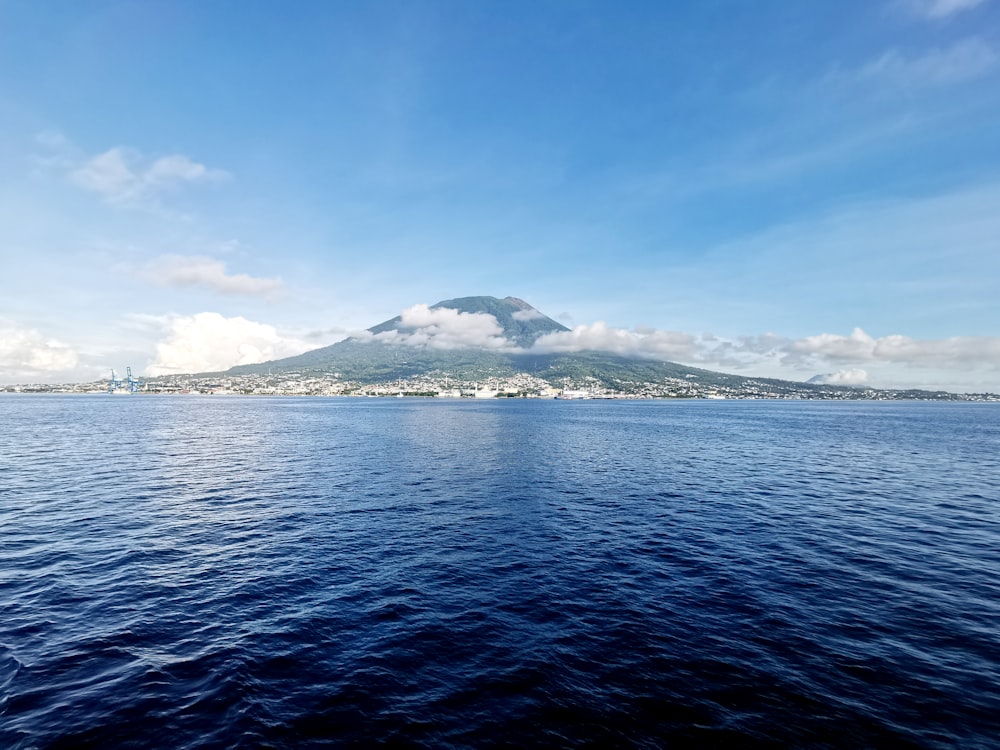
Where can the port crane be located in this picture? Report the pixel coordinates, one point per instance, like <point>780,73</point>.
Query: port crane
<point>130,383</point>
<point>133,384</point>
<point>114,383</point>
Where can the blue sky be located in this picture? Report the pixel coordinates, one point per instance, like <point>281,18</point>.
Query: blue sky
<point>784,189</point>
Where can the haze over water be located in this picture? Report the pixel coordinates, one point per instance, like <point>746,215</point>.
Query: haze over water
<point>244,572</point>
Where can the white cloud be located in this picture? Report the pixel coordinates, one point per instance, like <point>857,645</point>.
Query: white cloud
<point>768,354</point>
<point>853,376</point>
<point>444,328</point>
<point>196,270</point>
<point>25,353</point>
<point>955,352</point>
<point>783,357</point>
<point>177,168</point>
<point>209,342</point>
<point>937,9</point>
<point>964,60</point>
<point>648,343</point>
<point>108,174</point>
<point>858,346</point>
<point>526,315</point>
<point>122,175</point>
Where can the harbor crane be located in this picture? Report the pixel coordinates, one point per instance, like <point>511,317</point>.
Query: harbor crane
<point>131,384</point>
<point>114,382</point>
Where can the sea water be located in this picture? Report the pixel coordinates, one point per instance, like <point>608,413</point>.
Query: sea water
<point>215,572</point>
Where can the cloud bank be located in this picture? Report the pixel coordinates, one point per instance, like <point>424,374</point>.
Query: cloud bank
<point>839,358</point>
<point>642,342</point>
<point>196,270</point>
<point>957,351</point>
<point>209,342</point>
<point>27,352</point>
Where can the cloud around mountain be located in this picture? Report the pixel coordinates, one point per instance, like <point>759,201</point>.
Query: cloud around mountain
<point>443,328</point>
<point>838,358</point>
<point>817,351</point>
<point>853,376</point>
<point>648,342</point>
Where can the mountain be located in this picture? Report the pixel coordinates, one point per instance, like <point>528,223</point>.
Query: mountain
<point>379,357</point>
<point>405,347</point>
<point>470,339</point>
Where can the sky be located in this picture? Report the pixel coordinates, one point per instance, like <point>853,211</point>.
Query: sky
<point>796,190</point>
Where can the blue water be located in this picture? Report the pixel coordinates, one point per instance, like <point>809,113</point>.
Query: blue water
<point>214,572</point>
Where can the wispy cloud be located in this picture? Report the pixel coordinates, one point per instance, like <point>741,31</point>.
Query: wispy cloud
<point>28,352</point>
<point>55,152</point>
<point>197,270</point>
<point>209,342</point>
<point>123,175</point>
<point>333,334</point>
<point>938,9</point>
<point>965,60</point>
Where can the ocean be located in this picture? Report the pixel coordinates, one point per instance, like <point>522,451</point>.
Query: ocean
<point>252,572</point>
